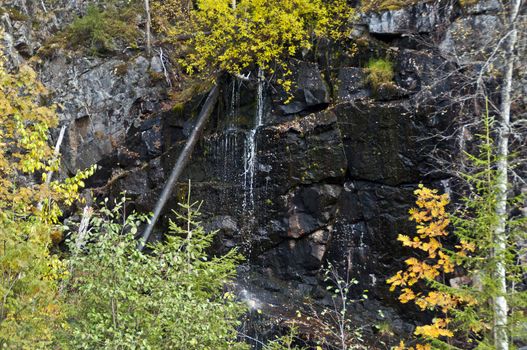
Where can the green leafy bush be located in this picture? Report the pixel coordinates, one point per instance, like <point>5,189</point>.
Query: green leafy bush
<point>285,342</point>
<point>30,309</point>
<point>99,30</point>
<point>380,72</point>
<point>170,298</point>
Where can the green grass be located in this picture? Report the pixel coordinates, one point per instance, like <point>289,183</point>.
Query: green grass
<point>14,14</point>
<point>380,72</point>
<point>100,31</point>
<point>383,5</point>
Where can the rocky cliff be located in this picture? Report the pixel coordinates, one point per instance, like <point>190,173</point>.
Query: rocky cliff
<point>327,177</point>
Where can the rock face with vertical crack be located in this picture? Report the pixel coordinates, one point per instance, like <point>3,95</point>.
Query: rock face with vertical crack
<point>335,167</point>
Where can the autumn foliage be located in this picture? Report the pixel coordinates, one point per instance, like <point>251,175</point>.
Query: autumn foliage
<point>432,222</point>
<point>30,207</point>
<point>25,152</point>
<point>256,33</point>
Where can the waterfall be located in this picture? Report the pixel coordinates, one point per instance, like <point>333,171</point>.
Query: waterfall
<point>226,145</point>
<point>251,146</point>
<point>229,141</point>
<point>234,105</point>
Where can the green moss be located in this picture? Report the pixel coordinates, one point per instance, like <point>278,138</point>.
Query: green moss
<point>244,120</point>
<point>179,108</point>
<point>121,69</point>
<point>380,72</point>
<point>191,89</point>
<point>100,135</point>
<point>48,49</point>
<point>155,76</point>
<point>14,14</point>
<point>383,5</point>
<point>36,24</point>
<point>467,2</point>
<point>99,31</point>
<point>384,328</point>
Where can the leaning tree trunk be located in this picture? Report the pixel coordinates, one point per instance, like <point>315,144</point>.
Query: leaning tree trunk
<point>204,115</point>
<point>501,340</point>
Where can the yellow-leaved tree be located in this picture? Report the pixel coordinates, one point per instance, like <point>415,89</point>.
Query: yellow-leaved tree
<point>235,36</point>
<point>29,211</point>
<point>465,305</point>
<point>432,222</point>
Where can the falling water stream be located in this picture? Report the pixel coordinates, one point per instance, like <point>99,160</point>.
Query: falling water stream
<point>225,145</point>
<point>230,135</point>
<point>251,147</point>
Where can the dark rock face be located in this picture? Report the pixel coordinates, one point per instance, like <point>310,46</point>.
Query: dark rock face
<point>328,177</point>
<point>352,84</point>
<point>467,35</point>
<point>333,185</point>
<point>381,141</point>
<point>101,102</point>
<point>311,92</point>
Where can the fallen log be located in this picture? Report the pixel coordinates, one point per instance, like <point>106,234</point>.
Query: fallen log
<point>204,115</point>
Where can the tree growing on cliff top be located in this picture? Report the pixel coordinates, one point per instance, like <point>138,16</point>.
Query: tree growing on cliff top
<point>30,307</point>
<point>232,36</point>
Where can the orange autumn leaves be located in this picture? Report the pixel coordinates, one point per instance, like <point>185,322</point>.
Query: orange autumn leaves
<point>432,222</point>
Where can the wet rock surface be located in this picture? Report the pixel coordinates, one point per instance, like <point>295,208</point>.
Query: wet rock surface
<point>328,177</point>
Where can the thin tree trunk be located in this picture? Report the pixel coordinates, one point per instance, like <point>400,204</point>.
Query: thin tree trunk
<point>148,26</point>
<point>83,227</point>
<point>56,153</point>
<point>43,6</point>
<point>204,115</point>
<point>501,339</point>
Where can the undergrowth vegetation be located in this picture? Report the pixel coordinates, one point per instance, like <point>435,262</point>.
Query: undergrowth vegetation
<point>172,297</point>
<point>31,205</point>
<point>100,31</point>
<point>380,73</point>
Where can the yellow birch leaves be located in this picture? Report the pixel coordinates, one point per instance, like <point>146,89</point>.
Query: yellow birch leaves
<point>30,305</point>
<point>432,222</point>
<point>256,33</point>
<point>25,150</point>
